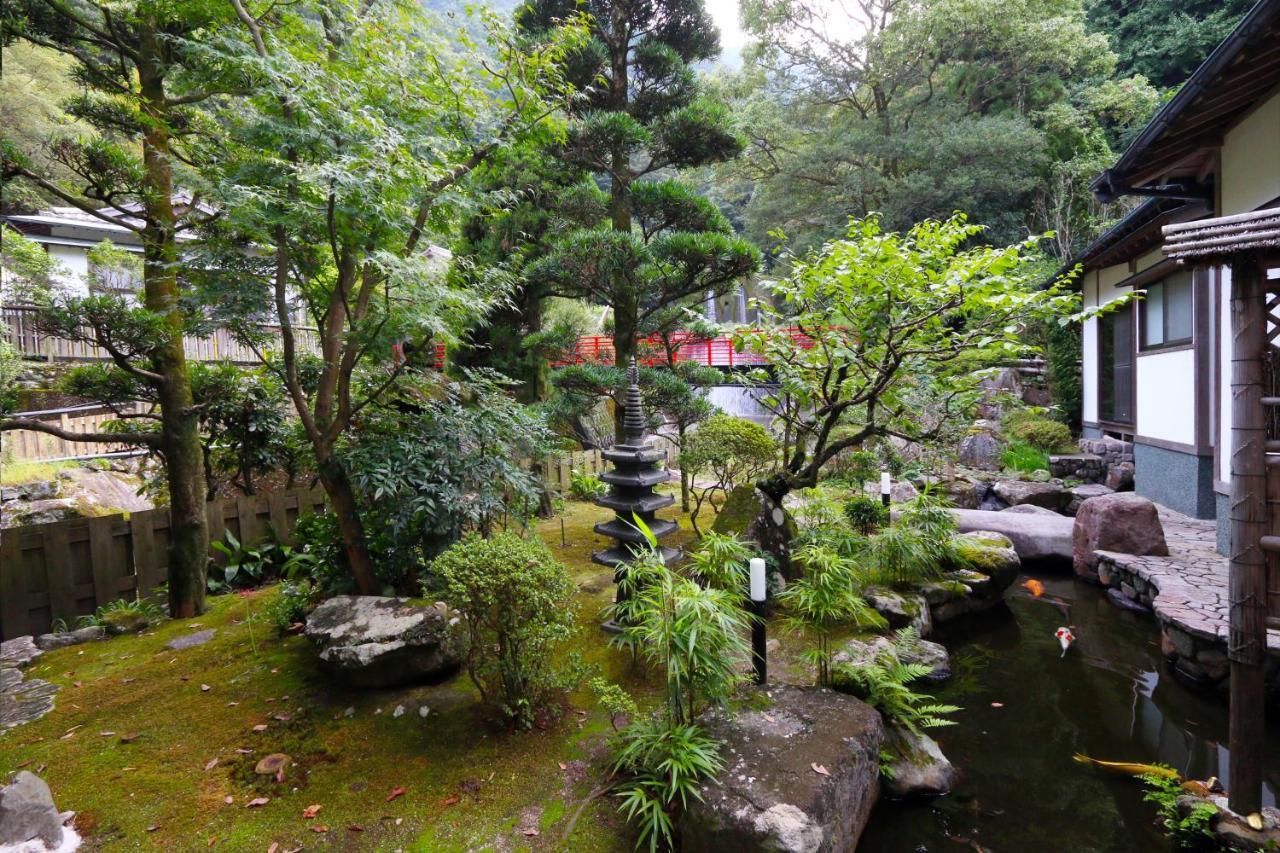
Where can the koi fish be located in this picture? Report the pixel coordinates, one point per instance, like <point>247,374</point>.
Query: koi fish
<point>1034,587</point>
<point>1130,768</point>
<point>1065,638</point>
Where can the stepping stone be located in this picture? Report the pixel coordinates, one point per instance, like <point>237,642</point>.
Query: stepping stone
<point>19,652</point>
<point>199,638</point>
<point>23,701</point>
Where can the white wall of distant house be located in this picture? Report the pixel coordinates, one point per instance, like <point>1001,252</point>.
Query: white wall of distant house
<point>1251,160</point>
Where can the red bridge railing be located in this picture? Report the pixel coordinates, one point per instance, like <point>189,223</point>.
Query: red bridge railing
<point>714,352</point>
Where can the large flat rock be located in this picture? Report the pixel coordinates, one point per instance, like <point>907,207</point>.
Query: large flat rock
<point>802,771</point>
<point>1038,539</point>
<point>375,641</point>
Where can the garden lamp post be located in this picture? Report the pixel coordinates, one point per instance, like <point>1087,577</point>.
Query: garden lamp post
<point>886,487</point>
<point>758,638</point>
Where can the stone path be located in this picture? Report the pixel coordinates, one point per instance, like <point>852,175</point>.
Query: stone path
<point>1191,581</point>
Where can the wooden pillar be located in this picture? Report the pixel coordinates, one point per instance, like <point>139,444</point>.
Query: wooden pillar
<point>1247,639</point>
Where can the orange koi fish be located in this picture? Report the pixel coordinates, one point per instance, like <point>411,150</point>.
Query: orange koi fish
<point>1034,587</point>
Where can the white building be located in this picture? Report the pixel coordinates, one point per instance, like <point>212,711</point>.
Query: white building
<point>1156,371</point>
<point>68,233</point>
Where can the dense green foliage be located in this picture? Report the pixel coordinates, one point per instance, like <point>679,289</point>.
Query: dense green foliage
<point>517,603</point>
<point>1042,433</point>
<point>1164,40</point>
<point>915,109</point>
<point>899,327</point>
<point>883,684</point>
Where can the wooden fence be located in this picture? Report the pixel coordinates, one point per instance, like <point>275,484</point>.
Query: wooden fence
<point>558,473</point>
<point>27,446</point>
<point>67,569</point>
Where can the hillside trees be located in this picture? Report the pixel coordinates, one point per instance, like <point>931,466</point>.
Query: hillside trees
<point>642,117</point>
<point>916,108</point>
<point>147,69</point>
<point>354,149</point>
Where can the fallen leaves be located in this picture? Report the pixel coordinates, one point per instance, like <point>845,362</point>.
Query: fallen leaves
<point>257,802</point>
<point>452,800</point>
<point>819,769</point>
<point>130,737</point>
<point>396,792</point>
<point>530,832</point>
<point>310,811</point>
<point>318,827</point>
<point>563,766</point>
<point>997,704</point>
<point>260,727</point>
<point>210,764</point>
<point>205,688</point>
<point>229,800</point>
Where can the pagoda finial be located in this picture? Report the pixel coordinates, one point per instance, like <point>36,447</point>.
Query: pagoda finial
<point>633,420</point>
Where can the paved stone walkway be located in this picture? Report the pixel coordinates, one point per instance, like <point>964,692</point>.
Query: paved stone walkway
<point>21,700</point>
<point>1191,581</point>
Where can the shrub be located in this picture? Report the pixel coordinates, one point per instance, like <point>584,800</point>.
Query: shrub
<point>248,565</point>
<point>517,603</point>
<point>725,452</point>
<point>293,601</point>
<point>826,598</point>
<point>1022,457</point>
<point>720,560</point>
<point>866,514</point>
<point>124,616</point>
<point>1044,434</point>
<point>586,486</point>
<point>664,765</point>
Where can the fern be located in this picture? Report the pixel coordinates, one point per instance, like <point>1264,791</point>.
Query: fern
<point>882,683</point>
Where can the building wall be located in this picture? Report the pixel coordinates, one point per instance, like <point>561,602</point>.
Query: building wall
<point>1180,481</point>
<point>75,267</point>
<point>1098,287</point>
<point>1166,396</point>
<point>1251,160</point>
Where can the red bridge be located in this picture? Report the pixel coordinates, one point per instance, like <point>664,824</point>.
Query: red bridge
<point>714,352</point>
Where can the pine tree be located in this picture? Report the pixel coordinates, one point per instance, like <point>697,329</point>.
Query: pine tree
<point>642,117</point>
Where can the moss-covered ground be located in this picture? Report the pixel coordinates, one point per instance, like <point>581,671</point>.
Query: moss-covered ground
<point>132,742</point>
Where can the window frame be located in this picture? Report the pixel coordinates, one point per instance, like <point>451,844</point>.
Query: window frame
<point>1144,318</point>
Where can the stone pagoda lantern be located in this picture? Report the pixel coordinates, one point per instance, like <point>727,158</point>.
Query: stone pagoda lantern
<point>637,468</point>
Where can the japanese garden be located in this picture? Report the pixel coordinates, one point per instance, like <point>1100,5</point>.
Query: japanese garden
<point>679,425</point>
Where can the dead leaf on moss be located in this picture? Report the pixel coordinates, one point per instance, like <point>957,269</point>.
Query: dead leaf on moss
<point>205,688</point>
<point>819,769</point>
<point>257,802</point>
<point>130,737</point>
<point>210,764</point>
<point>260,727</point>
<point>530,832</point>
<point>152,828</point>
<point>310,811</point>
<point>452,800</point>
<point>355,827</point>
<point>396,792</point>
<point>228,799</point>
<point>318,827</point>
<point>275,845</point>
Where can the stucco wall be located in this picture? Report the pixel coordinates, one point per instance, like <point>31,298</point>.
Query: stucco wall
<point>1166,396</point>
<point>75,266</point>
<point>1251,160</point>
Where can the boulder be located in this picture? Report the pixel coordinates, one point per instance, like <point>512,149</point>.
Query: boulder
<point>802,771</point>
<point>901,611</point>
<point>1080,494</point>
<point>1120,477</point>
<point>1048,495</point>
<point>740,508</point>
<point>961,492</point>
<point>1043,540</point>
<point>44,511</point>
<point>1123,522</point>
<point>27,813</point>
<point>980,449</point>
<point>1030,509</point>
<point>62,639</point>
<point>921,770</point>
<point>377,641</point>
<point>860,652</point>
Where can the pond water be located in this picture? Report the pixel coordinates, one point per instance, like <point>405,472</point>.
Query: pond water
<point>1111,698</point>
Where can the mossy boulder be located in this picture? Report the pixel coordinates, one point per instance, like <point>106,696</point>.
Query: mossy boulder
<point>739,510</point>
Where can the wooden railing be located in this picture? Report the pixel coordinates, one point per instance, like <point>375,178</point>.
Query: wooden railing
<point>22,445</point>
<point>17,323</point>
<point>714,352</point>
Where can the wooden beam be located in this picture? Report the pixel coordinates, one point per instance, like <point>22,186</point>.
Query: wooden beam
<point>1247,637</point>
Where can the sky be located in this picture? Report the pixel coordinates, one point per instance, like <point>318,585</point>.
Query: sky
<point>732,38</point>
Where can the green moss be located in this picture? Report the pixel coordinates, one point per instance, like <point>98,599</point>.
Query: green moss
<point>738,511</point>
<point>984,551</point>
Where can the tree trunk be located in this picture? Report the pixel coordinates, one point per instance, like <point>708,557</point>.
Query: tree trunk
<point>625,300</point>
<point>342,497</point>
<point>179,429</point>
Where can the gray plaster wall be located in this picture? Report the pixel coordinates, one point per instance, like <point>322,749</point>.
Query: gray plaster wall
<point>1180,481</point>
<point>1224,524</point>
<point>1090,432</point>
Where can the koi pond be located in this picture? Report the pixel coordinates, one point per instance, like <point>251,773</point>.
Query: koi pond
<point>1027,711</point>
